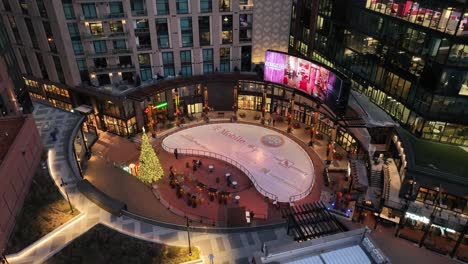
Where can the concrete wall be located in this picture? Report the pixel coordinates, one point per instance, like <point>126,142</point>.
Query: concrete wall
<point>16,172</point>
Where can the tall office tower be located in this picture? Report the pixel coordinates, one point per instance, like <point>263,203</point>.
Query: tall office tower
<point>14,98</point>
<point>75,52</point>
<point>409,57</point>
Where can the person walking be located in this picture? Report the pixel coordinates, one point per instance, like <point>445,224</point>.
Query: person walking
<point>211,257</point>
<point>176,154</point>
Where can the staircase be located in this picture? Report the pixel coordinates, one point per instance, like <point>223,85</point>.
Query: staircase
<point>375,179</point>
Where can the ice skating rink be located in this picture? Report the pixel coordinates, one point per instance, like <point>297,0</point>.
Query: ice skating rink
<point>278,164</point>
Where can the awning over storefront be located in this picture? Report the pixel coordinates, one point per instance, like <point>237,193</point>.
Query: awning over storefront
<point>372,114</point>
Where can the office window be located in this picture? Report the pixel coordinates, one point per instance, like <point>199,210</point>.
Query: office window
<point>6,5</point>
<point>182,7</point>
<point>32,34</point>
<point>205,6</point>
<point>186,31</point>
<point>162,7</point>
<point>58,68</point>
<point>162,32</point>
<point>225,59</point>
<point>24,7</point>
<point>68,9</point>
<point>168,63</point>
<point>14,28</point>
<point>27,66</point>
<point>116,26</point>
<point>185,56</point>
<point>226,31</point>
<point>77,47</point>
<point>207,61</point>
<point>116,8</point>
<point>224,5</point>
<point>89,10</point>
<point>41,8</point>
<point>42,66</point>
<point>100,46</point>
<point>73,30</point>
<point>138,7</point>
<point>204,30</point>
<point>50,36</point>
<point>119,44</point>
<point>144,59</point>
<point>96,28</point>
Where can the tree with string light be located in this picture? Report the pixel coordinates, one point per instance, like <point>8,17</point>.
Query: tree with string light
<point>150,169</point>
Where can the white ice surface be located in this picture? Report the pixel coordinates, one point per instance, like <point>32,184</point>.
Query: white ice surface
<point>285,170</point>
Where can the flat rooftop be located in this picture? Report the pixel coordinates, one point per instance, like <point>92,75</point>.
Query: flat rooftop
<point>9,129</point>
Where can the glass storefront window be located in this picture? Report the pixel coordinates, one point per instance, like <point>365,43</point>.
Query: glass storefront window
<point>249,102</point>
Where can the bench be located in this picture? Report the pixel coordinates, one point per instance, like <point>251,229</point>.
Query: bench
<point>220,114</point>
<point>101,199</point>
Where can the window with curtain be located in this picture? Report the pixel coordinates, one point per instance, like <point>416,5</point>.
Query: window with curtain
<point>204,30</point>
<point>162,7</point>
<point>73,30</point>
<point>225,59</point>
<point>119,44</point>
<point>186,31</point>
<point>116,7</point>
<point>89,10</point>
<point>162,32</point>
<point>100,46</point>
<point>77,47</point>
<point>207,60</point>
<point>205,6</point>
<point>168,63</point>
<point>137,5</point>
<point>186,63</point>
<point>84,74</point>
<point>68,9</point>
<point>145,73</point>
<point>182,7</point>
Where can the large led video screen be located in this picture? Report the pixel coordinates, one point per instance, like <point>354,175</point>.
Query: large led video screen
<point>306,76</point>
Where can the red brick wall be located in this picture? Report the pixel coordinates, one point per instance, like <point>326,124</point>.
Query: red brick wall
<point>16,172</point>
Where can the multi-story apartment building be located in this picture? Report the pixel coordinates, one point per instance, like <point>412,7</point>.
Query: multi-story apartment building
<point>20,142</point>
<point>75,52</point>
<point>409,57</point>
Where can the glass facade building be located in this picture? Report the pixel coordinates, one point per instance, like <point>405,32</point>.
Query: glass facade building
<point>410,58</point>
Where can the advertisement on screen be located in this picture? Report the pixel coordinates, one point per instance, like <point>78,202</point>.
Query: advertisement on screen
<point>305,76</point>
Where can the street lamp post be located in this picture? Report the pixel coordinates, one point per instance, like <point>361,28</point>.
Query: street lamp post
<point>66,193</point>
<point>188,236</point>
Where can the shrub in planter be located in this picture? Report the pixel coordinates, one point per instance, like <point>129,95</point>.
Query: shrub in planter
<point>257,117</point>
<point>242,115</point>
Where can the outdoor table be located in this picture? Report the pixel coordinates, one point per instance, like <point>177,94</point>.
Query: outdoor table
<point>237,199</point>
<point>234,184</point>
<point>212,190</point>
<point>210,168</point>
<point>180,178</point>
<point>227,175</point>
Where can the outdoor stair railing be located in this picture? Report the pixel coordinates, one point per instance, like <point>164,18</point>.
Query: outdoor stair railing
<point>213,155</point>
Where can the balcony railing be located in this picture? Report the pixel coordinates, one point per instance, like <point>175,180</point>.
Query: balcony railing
<point>109,52</point>
<point>246,7</point>
<point>139,12</point>
<point>97,1</point>
<point>112,68</point>
<point>144,47</point>
<point>88,36</point>
<point>100,17</point>
<point>141,30</point>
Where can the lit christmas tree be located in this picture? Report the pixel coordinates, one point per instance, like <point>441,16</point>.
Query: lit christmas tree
<point>150,169</point>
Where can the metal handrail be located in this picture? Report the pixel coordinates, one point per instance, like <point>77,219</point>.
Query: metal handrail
<point>209,154</point>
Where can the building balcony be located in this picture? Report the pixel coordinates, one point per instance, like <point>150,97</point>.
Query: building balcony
<point>144,47</point>
<point>104,35</point>
<point>142,30</point>
<point>103,17</point>
<point>110,52</point>
<point>139,12</point>
<point>246,7</point>
<point>112,68</point>
<point>97,1</point>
